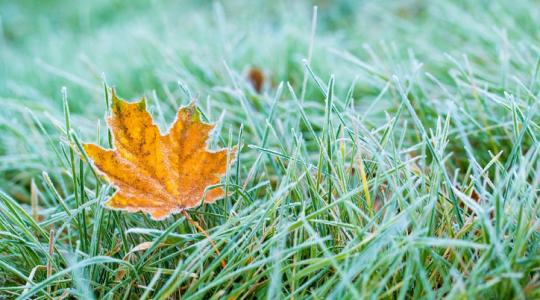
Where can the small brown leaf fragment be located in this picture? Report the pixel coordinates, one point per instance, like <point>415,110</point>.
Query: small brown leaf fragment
<point>475,196</point>
<point>256,78</point>
<point>142,247</point>
<point>160,174</point>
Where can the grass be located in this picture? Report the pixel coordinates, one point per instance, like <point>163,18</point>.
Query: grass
<point>392,152</point>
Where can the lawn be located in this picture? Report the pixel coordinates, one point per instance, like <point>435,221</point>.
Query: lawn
<point>386,149</point>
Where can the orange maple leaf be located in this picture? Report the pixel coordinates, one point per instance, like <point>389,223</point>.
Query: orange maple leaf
<point>160,174</point>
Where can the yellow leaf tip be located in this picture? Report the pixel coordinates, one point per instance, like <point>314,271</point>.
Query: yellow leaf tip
<point>118,103</point>
<point>142,103</point>
<point>114,97</point>
<point>191,112</point>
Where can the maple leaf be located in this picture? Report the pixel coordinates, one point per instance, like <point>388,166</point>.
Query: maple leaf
<point>160,174</point>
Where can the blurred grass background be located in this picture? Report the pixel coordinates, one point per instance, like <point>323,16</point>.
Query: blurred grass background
<point>148,47</point>
<point>143,45</point>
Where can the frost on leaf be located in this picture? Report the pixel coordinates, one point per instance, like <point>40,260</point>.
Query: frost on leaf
<point>160,174</point>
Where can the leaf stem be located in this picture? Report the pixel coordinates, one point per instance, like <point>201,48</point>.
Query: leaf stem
<point>201,230</point>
